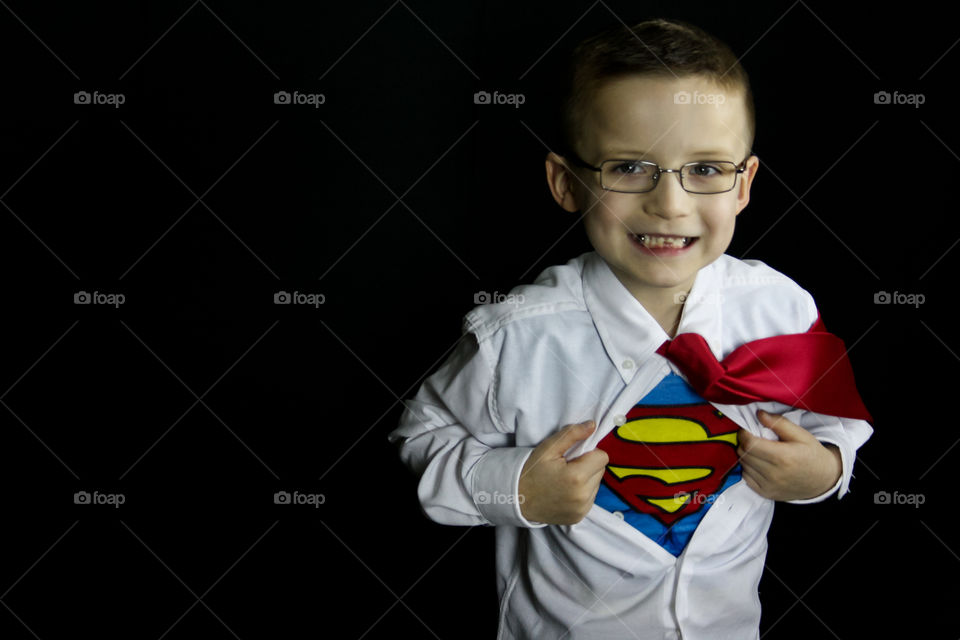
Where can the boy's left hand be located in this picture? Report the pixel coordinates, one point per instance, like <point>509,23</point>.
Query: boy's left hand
<point>796,467</point>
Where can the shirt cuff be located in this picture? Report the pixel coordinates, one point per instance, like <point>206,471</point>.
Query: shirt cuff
<point>495,481</point>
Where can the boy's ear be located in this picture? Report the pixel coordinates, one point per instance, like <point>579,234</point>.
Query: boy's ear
<point>746,179</point>
<point>560,180</point>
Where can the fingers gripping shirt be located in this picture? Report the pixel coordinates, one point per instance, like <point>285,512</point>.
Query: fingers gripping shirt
<point>668,463</point>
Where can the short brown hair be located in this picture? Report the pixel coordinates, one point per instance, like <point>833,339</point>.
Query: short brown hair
<point>656,48</point>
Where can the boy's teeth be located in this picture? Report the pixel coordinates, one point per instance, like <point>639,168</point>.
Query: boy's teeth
<point>659,242</point>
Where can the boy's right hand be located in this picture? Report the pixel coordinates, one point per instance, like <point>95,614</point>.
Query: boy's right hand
<point>555,490</point>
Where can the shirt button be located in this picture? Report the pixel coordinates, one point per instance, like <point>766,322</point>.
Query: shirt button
<point>618,514</point>
<point>627,364</point>
<point>619,420</point>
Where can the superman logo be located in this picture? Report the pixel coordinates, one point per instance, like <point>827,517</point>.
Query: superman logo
<point>668,461</point>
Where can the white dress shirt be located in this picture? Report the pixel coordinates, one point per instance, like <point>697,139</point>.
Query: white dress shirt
<point>574,346</point>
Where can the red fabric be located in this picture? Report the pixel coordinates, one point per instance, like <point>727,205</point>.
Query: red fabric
<point>804,370</point>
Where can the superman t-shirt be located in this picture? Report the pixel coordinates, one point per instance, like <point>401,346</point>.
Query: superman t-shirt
<point>668,463</point>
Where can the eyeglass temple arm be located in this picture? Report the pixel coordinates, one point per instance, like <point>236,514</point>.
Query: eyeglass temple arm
<point>575,159</point>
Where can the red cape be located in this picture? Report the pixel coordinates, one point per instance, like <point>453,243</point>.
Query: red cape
<point>804,370</point>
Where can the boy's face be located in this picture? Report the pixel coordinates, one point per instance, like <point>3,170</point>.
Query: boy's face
<point>639,118</point>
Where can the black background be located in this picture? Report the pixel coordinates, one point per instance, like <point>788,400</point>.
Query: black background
<point>399,199</point>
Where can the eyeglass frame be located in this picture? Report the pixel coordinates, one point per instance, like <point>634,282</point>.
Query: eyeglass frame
<point>740,168</point>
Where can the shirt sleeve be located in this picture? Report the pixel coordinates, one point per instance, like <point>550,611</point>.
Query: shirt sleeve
<point>846,434</point>
<point>452,437</point>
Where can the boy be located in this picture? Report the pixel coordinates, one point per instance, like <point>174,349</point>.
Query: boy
<point>629,425</point>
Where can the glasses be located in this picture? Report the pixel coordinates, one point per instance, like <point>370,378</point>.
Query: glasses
<point>640,176</point>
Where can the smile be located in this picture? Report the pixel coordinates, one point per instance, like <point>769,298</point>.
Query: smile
<point>658,241</point>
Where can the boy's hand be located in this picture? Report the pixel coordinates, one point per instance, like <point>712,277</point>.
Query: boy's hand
<point>554,490</point>
<point>795,468</point>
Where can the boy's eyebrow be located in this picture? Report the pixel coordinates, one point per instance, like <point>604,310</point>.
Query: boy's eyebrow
<point>714,154</point>
<point>626,154</point>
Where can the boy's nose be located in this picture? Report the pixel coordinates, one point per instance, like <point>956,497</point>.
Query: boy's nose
<point>668,199</point>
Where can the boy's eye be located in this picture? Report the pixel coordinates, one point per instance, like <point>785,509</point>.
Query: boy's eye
<point>632,169</point>
<point>703,170</point>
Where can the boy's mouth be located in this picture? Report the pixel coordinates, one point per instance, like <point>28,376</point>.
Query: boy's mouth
<point>659,241</point>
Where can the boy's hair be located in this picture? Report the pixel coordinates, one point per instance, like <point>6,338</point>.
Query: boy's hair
<point>657,47</point>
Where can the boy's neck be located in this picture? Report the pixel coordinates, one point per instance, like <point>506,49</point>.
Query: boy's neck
<point>666,311</point>
<point>663,304</point>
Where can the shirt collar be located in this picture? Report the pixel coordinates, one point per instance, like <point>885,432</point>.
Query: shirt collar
<point>629,334</point>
